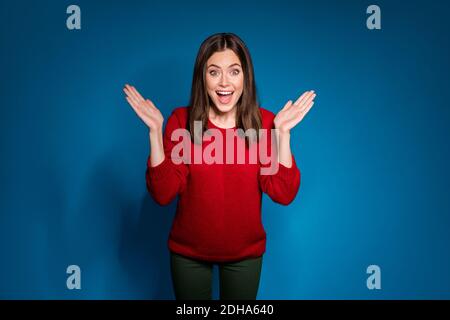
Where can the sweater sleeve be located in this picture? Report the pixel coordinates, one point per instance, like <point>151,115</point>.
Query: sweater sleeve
<point>166,180</point>
<point>283,185</point>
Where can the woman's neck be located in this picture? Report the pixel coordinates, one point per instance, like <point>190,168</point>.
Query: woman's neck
<point>224,119</point>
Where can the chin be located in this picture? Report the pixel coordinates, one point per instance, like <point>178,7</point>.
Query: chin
<point>224,108</point>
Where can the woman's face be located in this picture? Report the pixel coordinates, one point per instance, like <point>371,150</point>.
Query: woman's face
<point>224,79</point>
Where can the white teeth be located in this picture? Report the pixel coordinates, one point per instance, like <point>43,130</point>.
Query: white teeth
<point>224,92</point>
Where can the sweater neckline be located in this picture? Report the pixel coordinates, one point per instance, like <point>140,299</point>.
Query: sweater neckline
<point>212,124</point>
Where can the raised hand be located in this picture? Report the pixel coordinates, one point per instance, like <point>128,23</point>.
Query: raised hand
<point>292,113</point>
<point>144,108</point>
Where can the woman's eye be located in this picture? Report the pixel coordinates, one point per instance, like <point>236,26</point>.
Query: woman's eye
<point>235,72</point>
<point>213,73</point>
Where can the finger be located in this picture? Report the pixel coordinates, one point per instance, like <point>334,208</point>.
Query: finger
<point>300,101</point>
<point>141,112</point>
<point>299,116</point>
<point>129,94</point>
<point>305,103</point>
<point>133,105</point>
<point>137,106</point>
<point>301,97</point>
<point>306,110</point>
<point>127,89</point>
<point>306,93</point>
<point>306,98</point>
<point>138,95</point>
<point>294,121</point>
<point>149,109</point>
<point>133,93</point>
<point>150,104</point>
<point>131,97</point>
<point>287,105</point>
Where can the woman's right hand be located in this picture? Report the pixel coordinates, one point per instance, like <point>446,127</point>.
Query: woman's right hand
<point>144,108</point>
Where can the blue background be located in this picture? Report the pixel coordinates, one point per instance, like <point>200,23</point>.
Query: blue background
<point>373,151</point>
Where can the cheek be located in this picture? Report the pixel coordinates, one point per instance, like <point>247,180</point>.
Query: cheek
<point>239,84</point>
<point>211,83</point>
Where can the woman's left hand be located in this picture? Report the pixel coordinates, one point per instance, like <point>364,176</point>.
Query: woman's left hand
<point>292,113</point>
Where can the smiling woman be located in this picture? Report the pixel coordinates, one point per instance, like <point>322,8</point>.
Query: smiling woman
<point>224,67</point>
<point>218,219</point>
<point>224,83</point>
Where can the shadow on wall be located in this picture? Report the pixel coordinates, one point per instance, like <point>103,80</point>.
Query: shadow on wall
<point>124,240</point>
<point>143,250</point>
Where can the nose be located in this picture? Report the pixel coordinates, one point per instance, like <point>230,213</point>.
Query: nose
<point>223,80</point>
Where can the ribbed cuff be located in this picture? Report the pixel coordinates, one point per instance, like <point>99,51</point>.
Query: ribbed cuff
<point>158,171</point>
<point>286,173</point>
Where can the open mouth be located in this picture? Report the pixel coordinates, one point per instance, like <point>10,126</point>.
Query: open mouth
<point>224,96</point>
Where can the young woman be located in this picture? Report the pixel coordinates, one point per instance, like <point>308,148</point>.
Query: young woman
<point>218,217</point>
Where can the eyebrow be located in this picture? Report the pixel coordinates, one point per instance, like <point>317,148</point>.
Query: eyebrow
<point>215,65</point>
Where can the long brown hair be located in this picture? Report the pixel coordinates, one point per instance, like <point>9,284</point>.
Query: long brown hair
<point>248,115</point>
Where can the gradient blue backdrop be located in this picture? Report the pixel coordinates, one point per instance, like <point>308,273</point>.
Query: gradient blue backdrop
<point>373,151</point>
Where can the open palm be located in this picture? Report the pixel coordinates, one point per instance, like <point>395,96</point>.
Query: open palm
<point>292,113</point>
<point>144,108</point>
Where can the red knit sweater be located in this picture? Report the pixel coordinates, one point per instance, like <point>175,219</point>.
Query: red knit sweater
<point>218,215</point>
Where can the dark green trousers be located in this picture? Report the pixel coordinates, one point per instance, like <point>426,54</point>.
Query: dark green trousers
<point>192,279</point>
